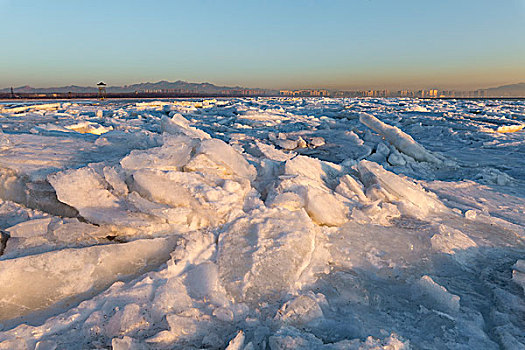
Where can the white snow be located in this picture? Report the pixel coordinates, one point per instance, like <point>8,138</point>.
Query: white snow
<point>267,223</point>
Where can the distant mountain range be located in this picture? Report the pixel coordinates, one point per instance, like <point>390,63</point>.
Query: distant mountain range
<point>177,86</point>
<point>507,90</point>
<point>511,90</point>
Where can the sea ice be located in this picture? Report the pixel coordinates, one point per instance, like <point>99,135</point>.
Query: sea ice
<point>441,298</point>
<point>509,128</point>
<point>280,223</point>
<point>57,276</point>
<point>261,257</point>
<point>403,142</point>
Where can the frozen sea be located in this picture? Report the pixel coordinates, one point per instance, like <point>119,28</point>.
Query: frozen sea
<point>265,223</point>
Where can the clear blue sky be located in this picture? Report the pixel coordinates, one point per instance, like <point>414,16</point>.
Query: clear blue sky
<point>279,44</point>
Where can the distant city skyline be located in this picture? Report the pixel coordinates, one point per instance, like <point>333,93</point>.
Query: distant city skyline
<point>309,44</point>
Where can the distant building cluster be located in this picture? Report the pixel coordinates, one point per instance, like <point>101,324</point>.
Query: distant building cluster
<point>303,93</point>
<point>244,92</point>
<point>210,90</point>
<point>431,93</point>
<point>376,93</point>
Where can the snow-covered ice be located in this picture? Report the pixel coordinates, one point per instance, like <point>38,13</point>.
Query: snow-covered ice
<point>268,223</point>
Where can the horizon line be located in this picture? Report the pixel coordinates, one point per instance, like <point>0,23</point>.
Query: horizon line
<point>94,86</point>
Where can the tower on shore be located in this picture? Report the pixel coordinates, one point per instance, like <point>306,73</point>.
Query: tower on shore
<point>101,90</point>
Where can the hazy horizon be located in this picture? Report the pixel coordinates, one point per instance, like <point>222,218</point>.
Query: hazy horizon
<point>375,44</point>
<point>93,85</point>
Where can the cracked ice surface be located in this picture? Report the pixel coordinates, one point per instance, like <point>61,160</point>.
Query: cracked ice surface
<point>262,224</point>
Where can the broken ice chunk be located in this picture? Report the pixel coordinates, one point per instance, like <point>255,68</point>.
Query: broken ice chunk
<point>49,278</point>
<point>518,273</point>
<point>262,256</point>
<point>126,321</point>
<point>286,144</point>
<point>324,208</point>
<point>287,200</point>
<point>350,187</point>
<point>301,310</point>
<point>317,141</point>
<point>177,124</point>
<point>236,343</point>
<point>397,138</point>
<point>87,127</point>
<point>217,157</point>
<point>272,153</point>
<point>451,241</point>
<point>30,228</point>
<point>85,190</point>
<point>396,188</point>
<point>321,171</point>
<point>126,343</point>
<point>510,128</point>
<point>116,179</point>
<point>173,155</point>
<point>442,299</point>
<point>291,338</point>
<point>211,200</point>
<point>396,159</point>
<point>82,188</point>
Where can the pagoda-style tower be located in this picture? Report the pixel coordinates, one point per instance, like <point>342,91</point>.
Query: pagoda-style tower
<point>101,90</point>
